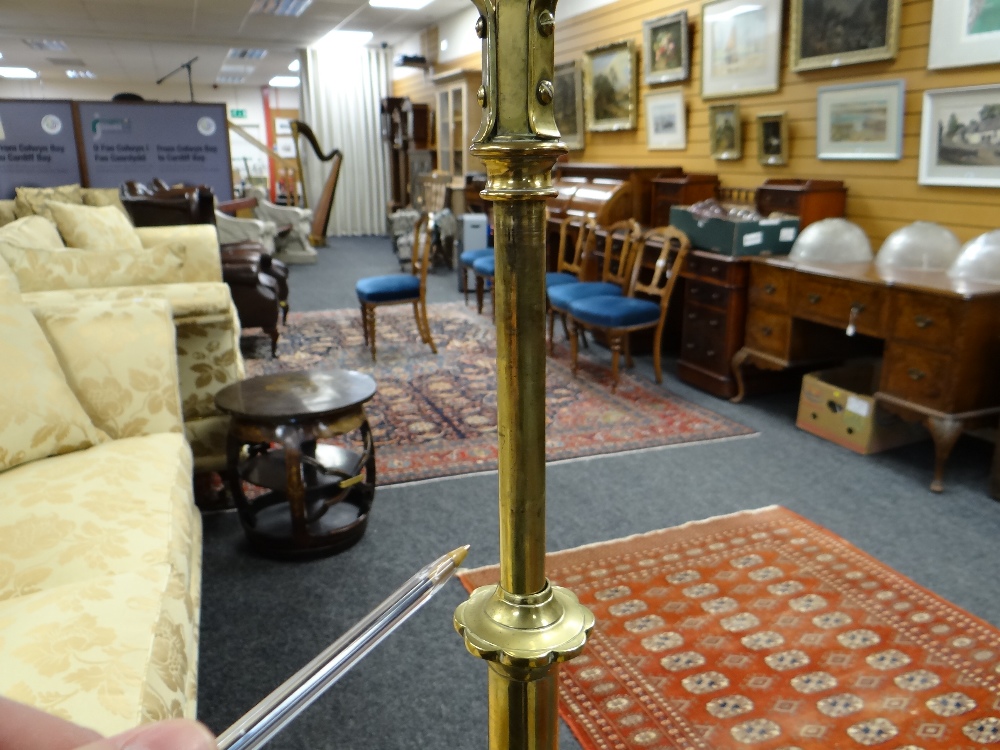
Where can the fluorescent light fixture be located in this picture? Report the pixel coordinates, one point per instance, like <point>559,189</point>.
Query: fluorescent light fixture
<point>8,72</point>
<point>295,65</point>
<point>229,79</point>
<point>341,39</point>
<point>246,54</point>
<point>236,70</point>
<point>49,45</point>
<point>80,74</point>
<point>284,82</point>
<point>401,4</point>
<point>292,8</point>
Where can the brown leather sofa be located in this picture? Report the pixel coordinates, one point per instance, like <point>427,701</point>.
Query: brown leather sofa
<point>257,282</point>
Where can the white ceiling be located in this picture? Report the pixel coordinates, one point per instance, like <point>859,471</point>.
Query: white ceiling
<point>142,40</point>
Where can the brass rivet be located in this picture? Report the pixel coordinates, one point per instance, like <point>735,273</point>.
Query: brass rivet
<point>481,27</point>
<point>546,23</point>
<point>481,96</point>
<point>545,92</point>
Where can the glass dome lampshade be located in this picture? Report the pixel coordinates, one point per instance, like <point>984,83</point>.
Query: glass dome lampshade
<point>921,245</point>
<point>832,241</point>
<point>979,259</point>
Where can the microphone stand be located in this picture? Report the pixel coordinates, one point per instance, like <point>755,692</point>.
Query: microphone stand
<point>187,66</point>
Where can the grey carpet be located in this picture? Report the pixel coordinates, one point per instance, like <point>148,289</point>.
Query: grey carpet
<point>262,619</point>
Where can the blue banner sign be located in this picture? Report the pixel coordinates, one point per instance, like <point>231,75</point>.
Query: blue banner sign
<point>37,145</point>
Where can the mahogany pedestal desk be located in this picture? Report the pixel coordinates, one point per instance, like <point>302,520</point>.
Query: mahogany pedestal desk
<point>941,357</point>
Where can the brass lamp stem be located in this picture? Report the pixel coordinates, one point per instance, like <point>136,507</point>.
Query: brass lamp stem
<point>523,626</point>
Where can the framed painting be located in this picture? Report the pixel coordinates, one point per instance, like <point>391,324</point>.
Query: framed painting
<point>667,54</point>
<point>830,34</point>
<point>860,121</point>
<point>772,139</point>
<point>964,32</point>
<point>666,121</point>
<point>740,47</point>
<point>959,134</point>
<point>568,104</point>
<point>610,87</point>
<point>725,132</point>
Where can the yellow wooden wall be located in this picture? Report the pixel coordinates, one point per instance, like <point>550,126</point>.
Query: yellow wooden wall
<point>882,195</point>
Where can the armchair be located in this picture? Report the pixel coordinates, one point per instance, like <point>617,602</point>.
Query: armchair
<point>293,225</point>
<point>234,230</point>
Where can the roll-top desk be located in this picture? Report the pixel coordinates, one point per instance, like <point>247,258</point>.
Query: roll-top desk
<point>941,359</point>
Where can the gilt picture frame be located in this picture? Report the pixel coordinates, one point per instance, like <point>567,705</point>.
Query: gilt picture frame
<point>861,121</point>
<point>828,34</point>
<point>964,33</point>
<point>960,128</point>
<point>666,121</point>
<point>772,139</point>
<point>740,47</point>
<point>568,104</point>
<point>610,86</point>
<point>725,132</point>
<point>666,49</point>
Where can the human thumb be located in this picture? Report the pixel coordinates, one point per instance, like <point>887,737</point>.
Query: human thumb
<point>175,734</point>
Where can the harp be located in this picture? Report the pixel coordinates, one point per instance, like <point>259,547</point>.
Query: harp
<point>321,212</point>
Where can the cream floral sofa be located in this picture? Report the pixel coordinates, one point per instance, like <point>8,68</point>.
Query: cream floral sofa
<point>180,264</point>
<point>100,541</point>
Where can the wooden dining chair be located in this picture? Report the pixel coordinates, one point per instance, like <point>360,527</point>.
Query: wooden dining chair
<point>400,289</point>
<point>621,243</point>
<point>569,266</point>
<point>643,306</point>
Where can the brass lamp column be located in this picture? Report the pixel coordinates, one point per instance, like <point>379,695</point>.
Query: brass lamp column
<point>523,627</point>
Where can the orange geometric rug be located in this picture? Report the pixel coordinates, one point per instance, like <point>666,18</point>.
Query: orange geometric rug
<point>763,630</point>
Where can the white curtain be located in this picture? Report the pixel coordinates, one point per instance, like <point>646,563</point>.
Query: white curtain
<point>342,93</point>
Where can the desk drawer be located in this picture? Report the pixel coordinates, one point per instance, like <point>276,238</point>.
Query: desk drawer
<point>695,265</point>
<point>703,340</point>
<point>918,375</point>
<point>830,302</point>
<point>703,293</point>
<point>924,320</point>
<point>769,286</point>
<point>768,332</point>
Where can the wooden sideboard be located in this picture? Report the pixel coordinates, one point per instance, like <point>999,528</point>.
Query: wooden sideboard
<point>941,357</point>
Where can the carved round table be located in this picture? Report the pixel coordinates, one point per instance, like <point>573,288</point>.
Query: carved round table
<point>316,496</point>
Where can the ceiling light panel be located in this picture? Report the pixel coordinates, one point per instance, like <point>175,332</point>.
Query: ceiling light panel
<point>284,82</point>
<point>8,72</point>
<point>293,8</point>
<point>229,79</point>
<point>48,45</point>
<point>67,62</point>
<point>80,74</point>
<point>237,53</point>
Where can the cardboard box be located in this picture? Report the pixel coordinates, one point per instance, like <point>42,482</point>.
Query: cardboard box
<point>838,405</point>
<point>736,238</point>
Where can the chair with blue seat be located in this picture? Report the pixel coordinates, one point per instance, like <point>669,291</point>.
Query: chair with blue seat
<point>644,305</point>
<point>620,243</point>
<point>569,267</point>
<point>484,269</point>
<point>400,288</point>
<point>465,262</point>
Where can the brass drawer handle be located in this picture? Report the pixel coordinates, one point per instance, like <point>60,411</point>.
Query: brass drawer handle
<point>716,295</point>
<point>813,299</point>
<point>915,374</point>
<point>770,288</point>
<point>713,269</point>
<point>689,345</point>
<point>713,323</point>
<point>923,321</point>
<point>696,290</point>
<point>710,353</point>
<point>766,330</point>
<point>692,316</point>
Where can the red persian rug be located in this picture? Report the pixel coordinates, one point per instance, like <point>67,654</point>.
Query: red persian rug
<point>764,630</point>
<point>435,414</point>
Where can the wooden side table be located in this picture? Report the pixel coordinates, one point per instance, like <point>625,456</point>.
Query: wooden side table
<point>316,497</point>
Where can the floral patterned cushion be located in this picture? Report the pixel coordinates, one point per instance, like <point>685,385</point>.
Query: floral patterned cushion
<point>94,227</point>
<point>201,242</point>
<point>29,201</point>
<point>10,290</point>
<point>118,357</point>
<point>39,414</point>
<point>71,268</point>
<point>31,232</point>
<point>8,212</point>
<point>102,197</point>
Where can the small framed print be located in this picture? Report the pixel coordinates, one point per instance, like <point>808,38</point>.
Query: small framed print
<point>847,32</point>
<point>667,52</point>
<point>666,121</point>
<point>964,32</point>
<point>740,47</point>
<point>772,139</point>
<point>610,87</point>
<point>568,104</point>
<point>959,133</point>
<point>725,132</point>
<point>860,121</point>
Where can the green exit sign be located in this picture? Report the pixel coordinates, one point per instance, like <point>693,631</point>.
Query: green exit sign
<point>237,113</point>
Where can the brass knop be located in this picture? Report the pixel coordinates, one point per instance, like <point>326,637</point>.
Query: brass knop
<point>545,92</point>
